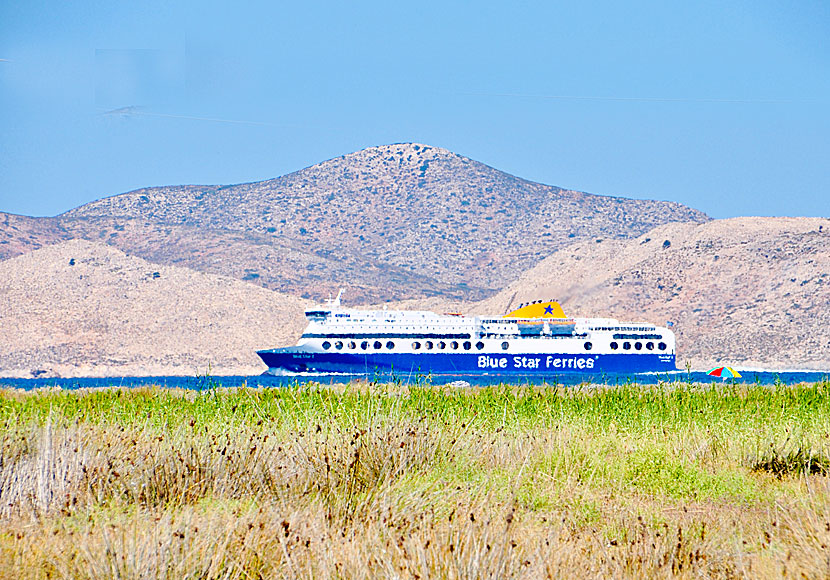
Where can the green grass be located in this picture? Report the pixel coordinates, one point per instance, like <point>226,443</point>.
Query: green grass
<point>386,480</point>
<point>627,407</point>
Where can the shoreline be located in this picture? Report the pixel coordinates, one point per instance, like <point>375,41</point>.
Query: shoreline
<point>197,383</point>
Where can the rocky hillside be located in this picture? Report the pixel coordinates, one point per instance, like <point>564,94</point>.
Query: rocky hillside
<point>396,221</point>
<point>20,234</point>
<point>750,292</point>
<point>86,309</point>
<point>287,267</point>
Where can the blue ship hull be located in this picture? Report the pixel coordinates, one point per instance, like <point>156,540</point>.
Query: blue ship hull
<point>293,361</point>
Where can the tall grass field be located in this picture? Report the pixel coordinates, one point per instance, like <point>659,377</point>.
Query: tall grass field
<point>394,481</point>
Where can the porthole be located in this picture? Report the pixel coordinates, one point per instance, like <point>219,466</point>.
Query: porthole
<point>428,344</point>
<point>638,345</point>
<point>442,345</point>
<point>650,345</point>
<point>626,346</point>
<point>454,345</point>
<point>467,345</point>
<point>504,345</point>
<point>352,345</point>
<point>377,344</point>
<point>588,346</point>
<point>416,345</point>
<point>338,345</point>
<point>662,346</point>
<point>614,346</point>
<point>326,345</point>
<point>479,345</point>
<point>390,345</point>
<point>364,345</point>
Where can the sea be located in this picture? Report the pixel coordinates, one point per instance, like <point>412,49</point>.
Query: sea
<point>200,383</point>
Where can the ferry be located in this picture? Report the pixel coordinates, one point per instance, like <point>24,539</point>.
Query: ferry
<point>534,339</point>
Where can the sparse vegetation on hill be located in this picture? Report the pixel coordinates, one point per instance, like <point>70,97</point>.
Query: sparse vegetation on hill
<point>395,221</point>
<point>20,234</point>
<point>365,482</point>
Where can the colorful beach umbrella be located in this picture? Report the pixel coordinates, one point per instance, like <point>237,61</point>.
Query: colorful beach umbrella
<point>724,372</point>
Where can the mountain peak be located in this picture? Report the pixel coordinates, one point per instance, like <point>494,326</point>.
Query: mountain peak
<point>399,161</point>
<point>404,149</point>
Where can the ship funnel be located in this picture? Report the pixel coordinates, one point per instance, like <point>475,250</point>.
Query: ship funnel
<point>336,302</point>
<point>538,309</point>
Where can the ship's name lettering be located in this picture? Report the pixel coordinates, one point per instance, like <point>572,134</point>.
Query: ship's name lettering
<point>492,362</point>
<point>553,362</point>
<point>532,362</point>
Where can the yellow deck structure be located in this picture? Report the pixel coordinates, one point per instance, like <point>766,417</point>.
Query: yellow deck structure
<point>549,309</point>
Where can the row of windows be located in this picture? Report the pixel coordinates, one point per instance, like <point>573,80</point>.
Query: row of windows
<point>381,336</point>
<point>467,345</point>
<point>353,345</point>
<point>428,345</point>
<point>638,346</point>
<point>441,345</point>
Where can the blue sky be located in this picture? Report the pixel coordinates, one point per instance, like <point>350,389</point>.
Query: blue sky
<point>721,106</point>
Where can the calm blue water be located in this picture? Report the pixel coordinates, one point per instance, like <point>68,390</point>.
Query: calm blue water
<point>201,383</point>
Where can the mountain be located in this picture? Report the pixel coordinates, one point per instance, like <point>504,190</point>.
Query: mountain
<point>80,308</point>
<point>751,292</point>
<point>389,222</point>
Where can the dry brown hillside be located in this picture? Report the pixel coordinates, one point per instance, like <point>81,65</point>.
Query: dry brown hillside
<point>392,222</point>
<point>85,309</point>
<point>750,292</point>
<point>745,291</point>
<point>20,234</point>
<point>290,266</point>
